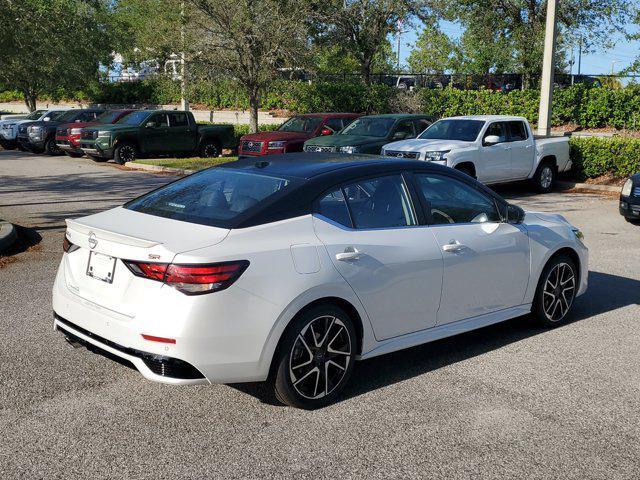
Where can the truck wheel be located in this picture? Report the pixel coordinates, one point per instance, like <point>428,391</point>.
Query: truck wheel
<point>8,145</point>
<point>50,147</point>
<point>125,152</point>
<point>544,178</point>
<point>209,149</point>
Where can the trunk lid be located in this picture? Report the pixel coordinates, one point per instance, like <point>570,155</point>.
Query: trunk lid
<point>122,234</point>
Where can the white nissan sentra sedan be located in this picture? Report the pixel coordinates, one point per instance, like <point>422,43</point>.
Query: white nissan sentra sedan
<point>291,269</point>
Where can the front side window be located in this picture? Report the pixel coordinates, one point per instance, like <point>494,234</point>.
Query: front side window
<point>211,197</point>
<point>300,124</point>
<point>333,206</point>
<point>452,201</point>
<point>381,202</point>
<point>158,120</point>
<point>459,129</point>
<point>334,124</point>
<point>499,129</point>
<point>369,127</point>
<point>404,129</point>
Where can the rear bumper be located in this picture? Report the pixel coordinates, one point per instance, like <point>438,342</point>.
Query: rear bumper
<point>629,207</point>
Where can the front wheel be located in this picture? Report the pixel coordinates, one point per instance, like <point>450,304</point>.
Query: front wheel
<point>544,178</point>
<point>125,152</point>
<point>51,148</point>
<point>556,291</point>
<point>209,149</point>
<point>316,357</point>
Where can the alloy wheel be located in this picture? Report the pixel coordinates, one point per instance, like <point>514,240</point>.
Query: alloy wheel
<point>320,357</point>
<point>546,177</point>
<point>127,153</point>
<point>210,150</point>
<point>559,292</point>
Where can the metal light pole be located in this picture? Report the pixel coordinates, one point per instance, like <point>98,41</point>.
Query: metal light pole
<point>548,64</point>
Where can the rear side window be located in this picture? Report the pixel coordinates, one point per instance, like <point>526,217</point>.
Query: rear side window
<point>518,131</point>
<point>452,201</point>
<point>334,207</point>
<point>381,202</point>
<point>178,119</point>
<point>211,197</point>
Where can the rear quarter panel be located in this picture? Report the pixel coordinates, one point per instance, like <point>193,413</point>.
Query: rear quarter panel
<point>554,147</point>
<point>223,133</point>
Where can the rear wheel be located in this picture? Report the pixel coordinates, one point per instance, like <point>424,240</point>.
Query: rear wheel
<point>545,178</point>
<point>125,152</point>
<point>316,357</point>
<point>556,291</point>
<point>50,147</point>
<point>210,149</point>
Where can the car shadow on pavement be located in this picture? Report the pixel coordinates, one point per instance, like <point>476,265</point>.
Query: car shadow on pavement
<point>606,293</point>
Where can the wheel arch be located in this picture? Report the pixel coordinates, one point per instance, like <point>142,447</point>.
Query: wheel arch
<point>466,164</point>
<point>571,253</point>
<point>549,159</point>
<point>127,139</point>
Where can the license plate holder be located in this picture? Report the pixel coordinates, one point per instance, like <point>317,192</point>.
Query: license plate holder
<point>101,267</point>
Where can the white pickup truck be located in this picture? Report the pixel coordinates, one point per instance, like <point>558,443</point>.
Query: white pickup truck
<point>491,148</point>
<point>9,125</point>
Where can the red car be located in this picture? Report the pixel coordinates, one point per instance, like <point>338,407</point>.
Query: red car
<point>68,136</point>
<point>292,134</point>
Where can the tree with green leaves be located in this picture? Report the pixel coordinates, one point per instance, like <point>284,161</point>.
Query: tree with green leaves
<point>59,44</point>
<point>434,52</point>
<point>249,41</point>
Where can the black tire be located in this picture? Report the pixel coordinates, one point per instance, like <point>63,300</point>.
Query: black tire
<point>8,145</point>
<point>50,147</point>
<point>125,152</point>
<point>74,154</point>
<point>545,177</point>
<point>329,361</point>
<point>210,149</point>
<point>556,291</point>
<point>21,148</point>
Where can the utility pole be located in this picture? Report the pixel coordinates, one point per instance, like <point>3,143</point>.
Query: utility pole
<point>579,54</point>
<point>548,66</point>
<point>184,103</point>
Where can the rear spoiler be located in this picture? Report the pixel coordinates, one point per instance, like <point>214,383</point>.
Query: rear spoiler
<point>86,229</point>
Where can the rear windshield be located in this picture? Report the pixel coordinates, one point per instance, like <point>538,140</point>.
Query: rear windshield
<point>215,197</point>
<point>465,130</point>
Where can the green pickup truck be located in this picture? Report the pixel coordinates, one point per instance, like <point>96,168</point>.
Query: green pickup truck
<point>368,134</point>
<point>155,133</point>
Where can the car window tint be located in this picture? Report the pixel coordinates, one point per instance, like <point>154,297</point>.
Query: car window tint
<point>334,207</point>
<point>380,202</point>
<point>160,119</point>
<point>406,127</point>
<point>178,119</point>
<point>334,124</point>
<point>452,201</point>
<point>210,197</point>
<point>422,125</point>
<point>498,129</point>
<point>518,131</point>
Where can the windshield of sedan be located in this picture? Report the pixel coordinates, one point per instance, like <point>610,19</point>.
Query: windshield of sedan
<point>135,118</point>
<point>215,196</point>
<point>109,116</point>
<point>369,127</point>
<point>465,130</point>
<point>300,124</point>
<point>35,115</point>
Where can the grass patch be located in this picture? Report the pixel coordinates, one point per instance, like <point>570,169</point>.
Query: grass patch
<point>196,163</point>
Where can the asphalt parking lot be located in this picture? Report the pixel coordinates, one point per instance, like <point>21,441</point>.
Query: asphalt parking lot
<point>510,400</point>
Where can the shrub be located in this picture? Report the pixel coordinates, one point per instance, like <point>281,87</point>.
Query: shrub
<point>595,156</point>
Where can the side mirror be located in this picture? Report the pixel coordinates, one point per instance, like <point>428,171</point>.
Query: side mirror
<point>46,119</point>
<point>515,214</point>
<point>491,140</point>
<point>326,131</point>
<point>400,135</point>
<point>151,125</point>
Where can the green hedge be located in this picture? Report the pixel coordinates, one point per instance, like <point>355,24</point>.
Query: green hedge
<point>595,156</point>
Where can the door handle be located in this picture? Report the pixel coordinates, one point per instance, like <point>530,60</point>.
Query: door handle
<point>350,253</point>
<point>453,247</point>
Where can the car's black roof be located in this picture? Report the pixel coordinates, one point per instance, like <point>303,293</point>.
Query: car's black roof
<point>307,165</point>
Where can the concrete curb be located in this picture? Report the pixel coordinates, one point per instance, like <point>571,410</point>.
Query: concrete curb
<point>589,187</point>
<point>7,235</point>
<point>157,168</point>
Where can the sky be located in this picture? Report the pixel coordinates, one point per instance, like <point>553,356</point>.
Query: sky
<point>600,62</point>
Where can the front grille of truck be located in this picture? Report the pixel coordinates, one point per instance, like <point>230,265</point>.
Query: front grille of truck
<point>398,154</point>
<point>251,146</point>
<point>90,135</point>
<point>312,148</point>
<point>159,364</point>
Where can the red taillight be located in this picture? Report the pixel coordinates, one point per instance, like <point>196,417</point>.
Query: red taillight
<point>191,279</point>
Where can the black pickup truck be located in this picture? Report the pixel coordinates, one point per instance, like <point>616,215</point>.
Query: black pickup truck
<point>155,133</point>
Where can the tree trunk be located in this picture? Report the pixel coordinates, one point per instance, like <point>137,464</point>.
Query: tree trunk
<point>365,71</point>
<point>30,98</point>
<point>254,104</point>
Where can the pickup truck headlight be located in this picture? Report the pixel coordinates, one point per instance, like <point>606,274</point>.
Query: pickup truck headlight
<point>348,149</point>
<point>34,132</point>
<point>276,144</point>
<point>436,156</point>
<point>626,188</point>
<point>104,133</point>
<point>8,126</point>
